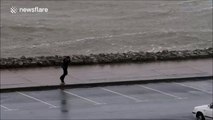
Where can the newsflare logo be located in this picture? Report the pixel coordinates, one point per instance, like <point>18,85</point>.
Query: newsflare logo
<point>13,9</point>
<point>36,9</point>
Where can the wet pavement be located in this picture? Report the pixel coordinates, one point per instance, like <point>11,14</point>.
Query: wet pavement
<point>156,101</point>
<point>36,77</point>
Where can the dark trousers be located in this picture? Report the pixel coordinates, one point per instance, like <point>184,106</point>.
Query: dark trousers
<point>65,72</point>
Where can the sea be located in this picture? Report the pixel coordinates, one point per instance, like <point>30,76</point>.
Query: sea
<point>73,27</point>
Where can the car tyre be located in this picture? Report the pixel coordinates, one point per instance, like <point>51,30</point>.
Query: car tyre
<point>200,116</point>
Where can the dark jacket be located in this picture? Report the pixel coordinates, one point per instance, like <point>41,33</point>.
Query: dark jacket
<point>65,63</point>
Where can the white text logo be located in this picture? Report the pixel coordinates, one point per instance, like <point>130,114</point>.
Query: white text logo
<point>28,10</point>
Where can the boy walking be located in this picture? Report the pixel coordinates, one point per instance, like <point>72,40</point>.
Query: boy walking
<point>64,66</point>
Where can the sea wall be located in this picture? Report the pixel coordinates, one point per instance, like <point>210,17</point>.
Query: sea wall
<point>104,58</point>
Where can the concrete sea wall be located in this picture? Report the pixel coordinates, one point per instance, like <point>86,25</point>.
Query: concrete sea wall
<point>104,58</point>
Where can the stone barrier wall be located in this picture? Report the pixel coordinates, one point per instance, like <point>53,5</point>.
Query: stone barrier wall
<point>104,58</point>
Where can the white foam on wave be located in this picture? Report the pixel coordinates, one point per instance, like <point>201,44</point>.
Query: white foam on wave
<point>40,45</point>
<point>155,49</point>
<point>98,37</point>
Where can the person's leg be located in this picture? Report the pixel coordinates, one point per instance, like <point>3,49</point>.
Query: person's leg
<point>65,72</point>
<point>62,78</point>
<point>63,75</point>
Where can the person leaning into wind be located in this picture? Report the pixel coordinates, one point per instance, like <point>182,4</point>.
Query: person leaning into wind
<point>64,66</point>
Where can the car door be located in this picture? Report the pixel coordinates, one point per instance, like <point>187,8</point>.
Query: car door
<point>209,112</point>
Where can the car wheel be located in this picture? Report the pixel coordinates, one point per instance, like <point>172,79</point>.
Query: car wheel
<point>200,116</point>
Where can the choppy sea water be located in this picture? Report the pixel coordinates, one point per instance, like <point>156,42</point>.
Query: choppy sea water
<point>105,26</point>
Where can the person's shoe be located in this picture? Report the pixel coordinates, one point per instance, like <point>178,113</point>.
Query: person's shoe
<point>62,83</point>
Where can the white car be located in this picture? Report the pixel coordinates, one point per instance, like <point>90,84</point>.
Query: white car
<point>203,112</point>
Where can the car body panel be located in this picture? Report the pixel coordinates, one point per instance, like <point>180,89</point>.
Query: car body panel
<point>206,110</point>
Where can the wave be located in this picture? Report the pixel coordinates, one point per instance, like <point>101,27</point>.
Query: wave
<point>166,34</point>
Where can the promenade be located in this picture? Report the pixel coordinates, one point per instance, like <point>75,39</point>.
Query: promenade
<point>47,77</point>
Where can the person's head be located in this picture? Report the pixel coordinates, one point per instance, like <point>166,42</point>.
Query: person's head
<point>67,57</point>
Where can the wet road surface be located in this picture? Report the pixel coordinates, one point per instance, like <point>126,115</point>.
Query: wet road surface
<point>156,101</point>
